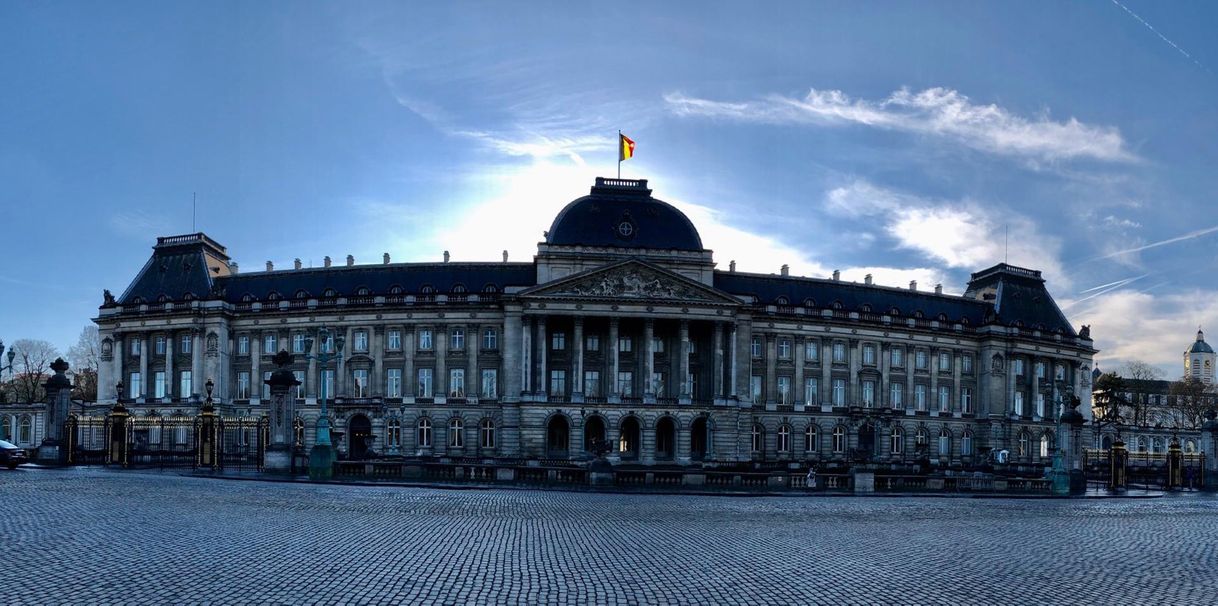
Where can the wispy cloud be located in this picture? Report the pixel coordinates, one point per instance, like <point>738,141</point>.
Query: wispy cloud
<point>940,112</point>
<point>1192,235</point>
<point>1130,325</point>
<point>1162,37</point>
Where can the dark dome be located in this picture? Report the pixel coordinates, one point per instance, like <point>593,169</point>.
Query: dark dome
<point>622,213</point>
<point>1199,346</point>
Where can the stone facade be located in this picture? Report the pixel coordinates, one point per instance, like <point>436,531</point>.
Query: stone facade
<point>606,334</point>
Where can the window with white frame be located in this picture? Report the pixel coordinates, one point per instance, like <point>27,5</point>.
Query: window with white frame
<point>298,342</point>
<point>896,395</point>
<point>393,339</point>
<point>269,343</point>
<point>625,344</point>
<point>921,439</point>
<point>869,394</point>
<point>490,339</point>
<point>1040,404</point>
<point>592,383</point>
<point>755,387</point>
<point>360,382</point>
<point>328,384</point>
<point>243,385</point>
<point>784,349</point>
<point>393,432</point>
<point>424,433</point>
<point>186,384</point>
<point>456,382</point>
<point>243,345</point>
<point>1024,443</point>
<point>839,440</point>
<point>625,383</point>
<point>558,340</point>
<point>966,444</point>
<point>784,438</point>
<point>812,391</point>
<point>393,383</point>
<point>755,347</point>
<point>945,361</point>
<point>558,382</point>
<point>839,353</point>
<point>425,339</point>
<point>592,343</point>
<point>1044,445</point>
<point>186,344</point>
<point>945,398</point>
<point>657,344</point>
<point>896,440</point>
<point>812,350</point>
<point>266,387</point>
<point>361,341</point>
<point>1059,372</point>
<point>159,345</point>
<point>426,379</point>
<point>327,343</point>
<point>490,383</point>
<point>658,383</point>
<point>136,344</point>
<point>1017,366</point>
<point>966,364</point>
<point>920,397</point>
<point>486,434</point>
<point>158,384</point>
<point>945,442</point>
<point>839,392</point>
<point>758,435</point>
<point>784,390</point>
<point>966,400</point>
<point>897,357</point>
<point>869,355</point>
<point>456,433</point>
<point>811,438</point>
<point>456,341</point>
<point>299,388</point>
<point>920,359</point>
<point>1019,403</point>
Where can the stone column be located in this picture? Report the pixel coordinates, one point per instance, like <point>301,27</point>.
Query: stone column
<point>744,358</point>
<point>59,400</point>
<point>342,383</point>
<point>957,385</point>
<point>717,390</point>
<point>256,368</point>
<point>910,356</point>
<point>854,388</point>
<point>472,345</point>
<point>119,353</point>
<point>377,344</point>
<point>884,397</point>
<point>933,405</point>
<point>511,368</point>
<point>771,370</point>
<point>684,361</point>
<point>731,371</point>
<point>649,358</point>
<point>169,373</point>
<point>440,341</point>
<point>410,381</point>
<point>145,391</point>
<point>798,390</point>
<point>282,413</point>
<point>311,378</point>
<point>196,362</point>
<point>577,371</point>
<point>526,355</point>
<point>543,346</point>
<point>614,358</point>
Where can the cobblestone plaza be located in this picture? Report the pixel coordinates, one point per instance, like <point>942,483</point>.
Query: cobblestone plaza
<point>93,536</point>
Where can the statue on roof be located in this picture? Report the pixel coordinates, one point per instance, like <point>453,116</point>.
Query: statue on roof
<point>1085,332</point>
<point>107,298</point>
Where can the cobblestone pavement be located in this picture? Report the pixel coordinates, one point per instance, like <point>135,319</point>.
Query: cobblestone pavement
<point>93,536</point>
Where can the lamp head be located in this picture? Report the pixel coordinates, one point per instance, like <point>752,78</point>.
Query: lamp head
<point>339,341</point>
<point>11,354</point>
<point>118,390</point>
<point>308,344</point>
<point>209,386</point>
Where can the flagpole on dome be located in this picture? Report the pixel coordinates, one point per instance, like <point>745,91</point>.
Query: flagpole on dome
<point>619,153</point>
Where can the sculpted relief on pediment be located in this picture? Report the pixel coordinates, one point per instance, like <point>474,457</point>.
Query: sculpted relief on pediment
<point>631,283</point>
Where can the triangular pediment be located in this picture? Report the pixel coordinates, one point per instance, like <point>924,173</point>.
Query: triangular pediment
<point>631,279</point>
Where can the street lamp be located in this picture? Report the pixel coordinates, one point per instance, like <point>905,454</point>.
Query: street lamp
<point>11,354</point>
<point>321,456</point>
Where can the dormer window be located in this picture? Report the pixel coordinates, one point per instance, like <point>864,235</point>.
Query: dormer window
<point>809,303</point>
<point>329,293</point>
<point>247,298</point>
<point>866,308</point>
<point>302,294</point>
<point>942,317</point>
<point>459,289</point>
<point>918,314</point>
<point>395,290</point>
<point>490,288</point>
<point>162,299</point>
<point>837,305</point>
<point>273,296</point>
<point>362,291</point>
<point>781,301</point>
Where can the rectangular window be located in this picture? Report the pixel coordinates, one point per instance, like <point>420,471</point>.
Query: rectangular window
<point>425,339</point>
<point>966,400</point>
<point>558,382</point>
<point>755,387</point>
<point>839,353</point>
<point>298,341</point>
<point>839,392</point>
<point>457,339</point>
<point>658,384</point>
<point>920,397</point>
<point>592,343</point>
<point>945,398</point>
<point>1040,369</point>
<point>456,382</point>
<point>185,384</point>
<point>299,375</point>
<point>359,378</point>
<point>812,391</point>
<point>558,341</point>
<point>1040,404</point>
<point>1019,403</point>
<point>269,343</point>
<point>812,351</point>
<point>1059,372</point>
<point>327,344</point>
<point>755,347</point>
<point>361,341</point>
<point>243,385</point>
<point>1017,366</point>
<point>393,383</point>
<point>920,359</point>
<point>625,383</point>
<point>784,349</point>
<point>592,383</point>
<point>898,357</point>
<point>869,394</point>
<point>966,364</point>
<point>490,339</point>
<point>159,385</point>
<point>425,383</point>
<point>266,389</point>
<point>186,344</point>
<point>135,346</point>
<point>159,344</point>
<point>133,385</point>
<point>896,395</point>
<point>693,346</point>
<point>327,383</point>
<point>869,355</point>
<point>393,341</point>
<point>625,344</point>
<point>657,345</point>
<point>784,390</point>
<point>490,383</point>
<point>945,361</point>
<point>243,345</point>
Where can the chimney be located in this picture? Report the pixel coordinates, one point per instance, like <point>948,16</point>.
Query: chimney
<point>867,279</point>
<point>296,263</point>
<point>446,256</point>
<point>386,259</point>
<point>232,267</point>
<point>786,269</point>
<point>350,260</point>
<point>732,265</point>
<point>938,289</point>
<point>505,256</point>
<point>327,261</point>
<point>270,266</point>
<point>913,285</point>
<point>837,275</point>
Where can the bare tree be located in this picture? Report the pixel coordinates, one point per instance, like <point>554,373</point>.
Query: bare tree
<point>32,367</point>
<point>1136,370</point>
<point>85,358</point>
<point>1189,400</point>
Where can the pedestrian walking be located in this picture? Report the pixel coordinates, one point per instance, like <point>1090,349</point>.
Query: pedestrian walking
<point>811,477</point>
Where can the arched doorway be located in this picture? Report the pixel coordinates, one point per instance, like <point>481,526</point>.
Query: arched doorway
<point>699,437</point>
<point>360,431</point>
<point>628,445</point>
<point>666,439</point>
<point>594,432</point>
<point>558,437</point>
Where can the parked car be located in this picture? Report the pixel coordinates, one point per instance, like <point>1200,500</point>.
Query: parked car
<point>12,455</point>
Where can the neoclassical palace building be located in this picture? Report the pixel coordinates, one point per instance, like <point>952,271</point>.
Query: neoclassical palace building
<point>622,330</point>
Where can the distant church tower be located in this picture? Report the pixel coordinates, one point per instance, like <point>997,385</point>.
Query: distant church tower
<point>1199,360</point>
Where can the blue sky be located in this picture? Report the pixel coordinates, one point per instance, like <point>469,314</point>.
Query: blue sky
<point>908,140</point>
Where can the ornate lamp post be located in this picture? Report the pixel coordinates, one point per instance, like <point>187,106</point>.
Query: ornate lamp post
<point>321,456</point>
<point>11,355</point>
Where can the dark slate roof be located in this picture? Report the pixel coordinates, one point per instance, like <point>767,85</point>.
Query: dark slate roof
<point>1021,298</point>
<point>1200,346</point>
<point>852,296</point>
<point>411,277</point>
<point>178,268</point>
<point>594,220</point>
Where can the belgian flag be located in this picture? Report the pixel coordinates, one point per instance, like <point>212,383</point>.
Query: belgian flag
<point>625,148</point>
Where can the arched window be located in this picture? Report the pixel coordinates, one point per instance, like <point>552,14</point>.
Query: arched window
<point>247,298</point>
<point>25,430</point>
<point>942,317</point>
<point>459,288</point>
<point>162,299</point>
<point>920,440</point>
<point>781,301</point>
<point>1190,446</point>
<point>329,293</point>
<point>897,440</point>
<point>486,434</point>
<point>784,438</point>
<point>945,442</point>
<point>424,433</point>
<point>837,305</point>
<point>395,290</point>
<point>866,308</point>
<point>427,293</point>
<point>894,312</point>
<point>839,440</point>
<point>758,437</point>
<point>1141,443</point>
<point>809,303</point>
<point>918,314</point>
<point>490,288</point>
<point>363,291</point>
<point>812,438</point>
<point>1044,445</point>
<point>966,444</point>
<point>456,433</point>
<point>273,296</point>
<point>1024,444</point>
<point>393,432</point>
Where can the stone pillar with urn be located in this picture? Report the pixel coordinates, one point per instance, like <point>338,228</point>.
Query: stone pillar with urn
<point>282,412</point>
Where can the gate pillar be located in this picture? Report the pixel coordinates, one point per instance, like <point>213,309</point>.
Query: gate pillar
<point>207,430</point>
<point>1209,451</point>
<point>1175,465</point>
<point>283,411</point>
<point>1118,457</point>
<point>118,435</point>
